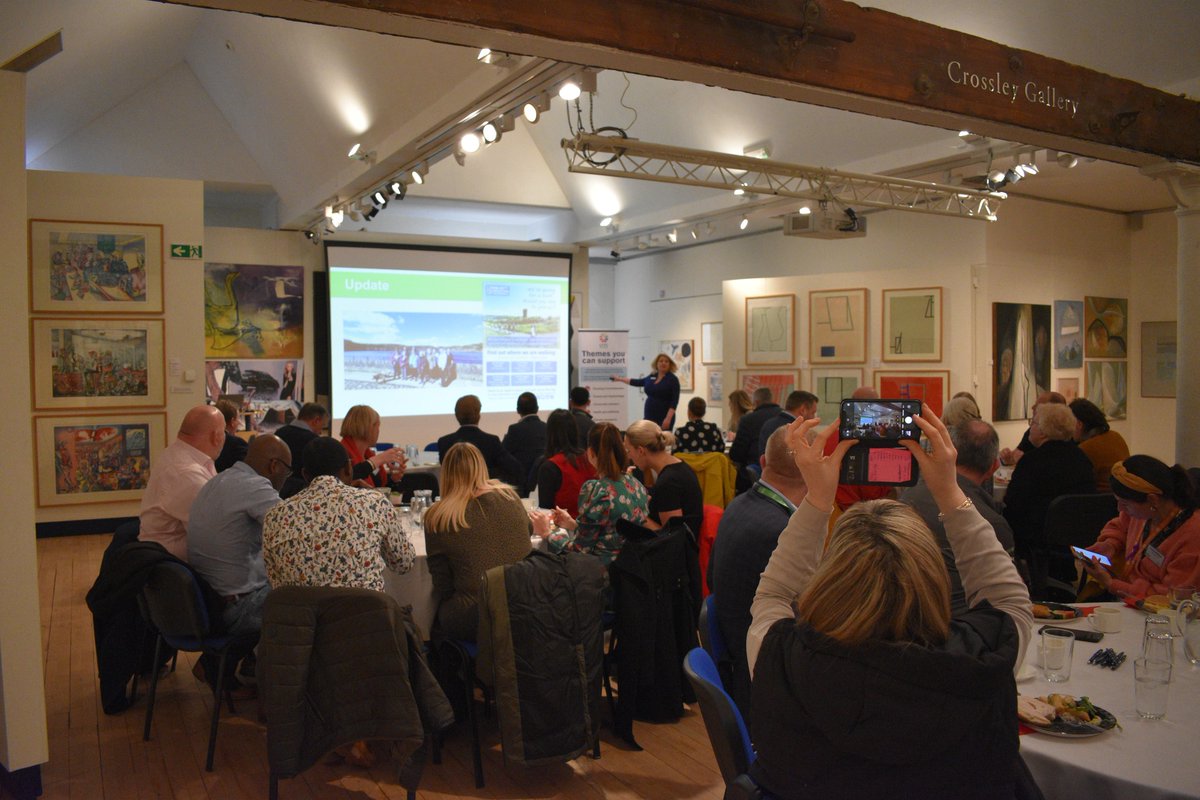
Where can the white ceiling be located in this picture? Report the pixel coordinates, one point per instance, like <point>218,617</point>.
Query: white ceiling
<point>264,110</point>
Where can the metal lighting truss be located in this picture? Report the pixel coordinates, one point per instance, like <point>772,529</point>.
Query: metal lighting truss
<point>629,158</point>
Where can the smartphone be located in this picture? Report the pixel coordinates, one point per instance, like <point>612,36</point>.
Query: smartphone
<point>1083,634</point>
<point>879,465</point>
<point>1088,554</point>
<point>879,420</point>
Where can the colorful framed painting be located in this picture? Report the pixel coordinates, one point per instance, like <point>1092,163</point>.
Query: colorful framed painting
<point>928,386</point>
<point>1068,334</point>
<point>1021,358</point>
<point>1108,386</point>
<point>97,363</point>
<point>771,330</point>
<point>95,458</point>
<point>1068,388</point>
<point>95,267</point>
<point>258,381</point>
<point>1158,359</point>
<point>712,342</point>
<point>912,324</point>
<point>682,352</point>
<point>780,382</point>
<point>253,311</point>
<point>832,385</point>
<point>1106,327</point>
<point>837,326</point>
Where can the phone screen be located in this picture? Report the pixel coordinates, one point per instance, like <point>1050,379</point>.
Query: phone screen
<point>1103,559</point>
<point>879,420</point>
<point>889,465</point>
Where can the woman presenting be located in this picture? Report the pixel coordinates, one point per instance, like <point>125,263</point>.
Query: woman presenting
<point>662,391</point>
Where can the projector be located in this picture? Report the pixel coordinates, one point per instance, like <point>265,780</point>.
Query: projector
<point>825,225</point>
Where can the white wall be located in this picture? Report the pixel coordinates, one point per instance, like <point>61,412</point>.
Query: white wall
<point>1152,298</point>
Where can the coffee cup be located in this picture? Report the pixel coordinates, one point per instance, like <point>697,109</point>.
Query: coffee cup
<point>1106,620</point>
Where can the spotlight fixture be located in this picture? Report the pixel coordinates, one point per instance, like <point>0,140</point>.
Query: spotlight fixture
<point>418,173</point>
<point>460,158</point>
<point>533,110</point>
<point>356,153</point>
<point>310,235</point>
<point>335,216</point>
<point>757,150</point>
<point>370,214</point>
<point>964,134</point>
<point>569,91</point>
<point>673,236</point>
<point>739,191</point>
<point>745,223</point>
<point>491,133</point>
<point>805,210</point>
<point>354,150</point>
<point>604,223</point>
<point>398,188</point>
<point>695,233</point>
<point>1066,160</point>
<point>469,142</point>
<point>380,198</point>
<point>495,58</point>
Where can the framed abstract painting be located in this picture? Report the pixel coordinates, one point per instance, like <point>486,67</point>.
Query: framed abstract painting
<point>97,363</point>
<point>912,324</point>
<point>928,386</point>
<point>771,330</point>
<point>837,326</point>
<point>95,458</point>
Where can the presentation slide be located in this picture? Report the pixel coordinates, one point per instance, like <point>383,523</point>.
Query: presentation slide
<point>414,329</point>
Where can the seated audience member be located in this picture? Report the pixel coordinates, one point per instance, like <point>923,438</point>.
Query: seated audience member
<point>739,406</point>
<point>580,404</point>
<point>501,464</point>
<point>887,693</point>
<point>478,524</point>
<point>565,467</point>
<point>798,405</point>
<point>234,448</point>
<point>696,435</point>
<point>746,537</point>
<point>360,432</point>
<point>526,439</point>
<point>1154,543</point>
<point>978,448</point>
<point>331,533</point>
<point>1011,457</point>
<point>1102,445</point>
<point>1055,466</point>
<point>612,495</point>
<point>745,442</point>
<point>307,425</point>
<point>961,408</point>
<point>676,491</point>
<point>176,477</point>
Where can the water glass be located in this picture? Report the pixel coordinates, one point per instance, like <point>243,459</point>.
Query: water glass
<point>1057,647</point>
<point>1152,678</point>
<point>1178,594</point>
<point>1158,646</point>
<point>1155,622</point>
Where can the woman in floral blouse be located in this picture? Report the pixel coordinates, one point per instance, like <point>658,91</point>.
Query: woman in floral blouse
<point>611,496</point>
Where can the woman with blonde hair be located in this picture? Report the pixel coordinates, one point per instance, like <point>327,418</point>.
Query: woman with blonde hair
<point>871,682</point>
<point>661,388</point>
<point>676,491</point>
<point>739,406</point>
<point>478,524</point>
<point>360,432</point>
<point>612,495</point>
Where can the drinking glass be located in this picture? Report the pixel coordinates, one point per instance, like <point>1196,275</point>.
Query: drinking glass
<point>1057,648</point>
<point>1152,678</point>
<point>1189,622</point>
<point>1155,622</point>
<point>1178,594</point>
<point>1158,646</point>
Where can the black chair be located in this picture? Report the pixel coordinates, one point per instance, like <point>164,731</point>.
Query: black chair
<point>726,729</point>
<point>458,657</point>
<point>174,604</point>
<point>1194,474</point>
<point>1072,520</point>
<point>412,481</point>
<point>713,640</point>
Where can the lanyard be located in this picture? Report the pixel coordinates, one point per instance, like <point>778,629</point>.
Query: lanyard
<point>774,496</point>
<point>1168,529</point>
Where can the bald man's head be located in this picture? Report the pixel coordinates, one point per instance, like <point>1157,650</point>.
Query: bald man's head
<point>203,427</point>
<point>271,458</point>
<point>864,393</point>
<point>779,467</point>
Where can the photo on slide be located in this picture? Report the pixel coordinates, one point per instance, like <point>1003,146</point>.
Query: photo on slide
<point>413,350</point>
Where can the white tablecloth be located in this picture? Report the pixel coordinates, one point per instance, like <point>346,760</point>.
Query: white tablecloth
<point>1141,760</point>
<point>415,587</point>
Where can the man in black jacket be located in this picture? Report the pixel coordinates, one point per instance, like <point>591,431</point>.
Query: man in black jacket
<point>307,425</point>
<point>745,445</point>
<point>526,439</point>
<point>500,462</point>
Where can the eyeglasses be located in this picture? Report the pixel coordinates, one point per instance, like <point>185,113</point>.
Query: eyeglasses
<point>287,468</point>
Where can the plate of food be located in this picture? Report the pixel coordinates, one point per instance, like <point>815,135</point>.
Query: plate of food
<point>1064,715</point>
<point>1057,612</point>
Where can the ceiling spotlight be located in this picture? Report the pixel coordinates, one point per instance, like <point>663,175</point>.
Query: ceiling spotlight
<point>604,223</point>
<point>380,198</point>
<point>695,233</point>
<point>757,150</point>
<point>354,150</point>
<point>570,91</point>
<point>1031,169</point>
<point>491,133</point>
<point>460,157</point>
<point>357,153</point>
<point>673,236</point>
<point>370,214</point>
<point>335,216</point>
<point>310,235</point>
<point>964,134</point>
<point>398,188</point>
<point>418,173</point>
<point>533,110</point>
<point>745,223</point>
<point>1066,160</point>
<point>495,58</point>
<point>469,142</point>
<point>484,55</point>
<point>739,191</point>
<point>805,210</point>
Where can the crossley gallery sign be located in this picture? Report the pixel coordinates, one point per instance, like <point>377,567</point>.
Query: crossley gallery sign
<point>1030,91</point>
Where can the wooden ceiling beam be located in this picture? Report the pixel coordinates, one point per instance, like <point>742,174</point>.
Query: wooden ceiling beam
<point>826,52</point>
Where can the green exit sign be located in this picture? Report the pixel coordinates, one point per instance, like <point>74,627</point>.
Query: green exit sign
<point>186,251</point>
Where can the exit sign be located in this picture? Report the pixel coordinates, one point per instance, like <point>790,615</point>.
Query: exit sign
<point>186,251</point>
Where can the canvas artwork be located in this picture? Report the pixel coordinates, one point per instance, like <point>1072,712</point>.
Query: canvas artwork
<point>1020,358</point>
<point>715,388</point>
<point>95,459</point>
<point>681,351</point>
<point>1158,359</point>
<point>832,386</point>
<point>1106,327</point>
<point>929,386</point>
<point>95,267</point>
<point>97,363</point>
<point>1108,386</point>
<point>712,342</point>
<point>912,324</point>
<point>1068,334</point>
<point>771,329</point>
<point>781,383</point>
<point>838,326</point>
<point>1068,388</point>
<point>253,311</point>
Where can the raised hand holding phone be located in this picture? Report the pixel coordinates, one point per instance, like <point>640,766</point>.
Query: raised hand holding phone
<point>938,465</point>
<point>819,470</point>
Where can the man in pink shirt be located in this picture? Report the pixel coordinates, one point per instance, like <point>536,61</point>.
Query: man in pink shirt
<point>176,477</point>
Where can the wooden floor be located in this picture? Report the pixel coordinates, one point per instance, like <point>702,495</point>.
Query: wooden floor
<point>94,756</point>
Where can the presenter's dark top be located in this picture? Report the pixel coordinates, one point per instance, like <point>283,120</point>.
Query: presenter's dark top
<point>662,395</point>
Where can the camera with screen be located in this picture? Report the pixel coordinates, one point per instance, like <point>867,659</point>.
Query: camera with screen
<point>878,426</point>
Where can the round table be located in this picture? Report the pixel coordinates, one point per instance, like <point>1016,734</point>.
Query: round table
<point>1141,760</point>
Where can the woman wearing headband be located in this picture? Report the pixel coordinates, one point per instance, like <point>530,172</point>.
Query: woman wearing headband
<point>1154,543</point>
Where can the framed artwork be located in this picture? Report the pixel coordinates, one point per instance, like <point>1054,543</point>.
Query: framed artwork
<point>1106,327</point>
<point>95,267</point>
<point>716,391</point>
<point>1158,359</point>
<point>771,330</point>
<point>712,342</point>
<point>682,352</point>
<point>1068,388</point>
<point>1108,386</point>
<point>832,385</point>
<point>837,326</point>
<point>95,458</point>
<point>97,363</point>
<point>780,382</point>
<point>912,324</point>
<point>1068,334</point>
<point>262,381</point>
<point>253,311</point>
<point>1020,358</point>
<point>928,386</point>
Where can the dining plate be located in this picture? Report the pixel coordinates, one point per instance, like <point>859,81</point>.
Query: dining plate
<point>1059,613</point>
<point>1077,730</point>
